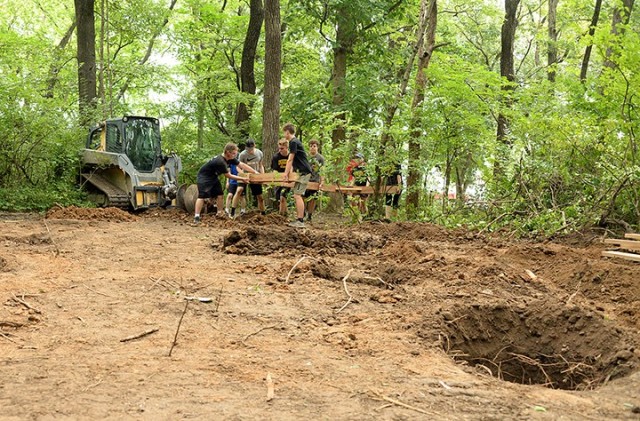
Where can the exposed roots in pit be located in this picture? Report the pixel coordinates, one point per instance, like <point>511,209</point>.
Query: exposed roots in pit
<point>549,344</point>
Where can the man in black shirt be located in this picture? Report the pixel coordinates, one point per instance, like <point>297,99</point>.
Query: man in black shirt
<point>209,186</point>
<point>297,162</point>
<point>279,164</point>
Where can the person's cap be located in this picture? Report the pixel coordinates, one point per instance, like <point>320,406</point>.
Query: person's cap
<point>359,155</point>
<point>251,143</point>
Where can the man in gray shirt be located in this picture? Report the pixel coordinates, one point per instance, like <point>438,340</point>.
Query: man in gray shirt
<point>253,157</point>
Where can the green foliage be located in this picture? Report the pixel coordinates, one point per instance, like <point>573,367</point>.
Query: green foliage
<point>572,156</point>
<point>41,198</point>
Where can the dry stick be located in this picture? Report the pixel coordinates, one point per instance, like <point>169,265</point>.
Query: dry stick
<point>97,292</point>
<point>140,335</point>
<point>396,402</point>
<point>175,337</point>
<point>295,266</point>
<point>57,252</point>
<point>7,338</point>
<point>575,293</point>
<point>377,278</point>
<point>154,284</point>
<point>91,386</point>
<point>24,303</point>
<point>258,331</point>
<point>344,283</point>
<point>219,298</point>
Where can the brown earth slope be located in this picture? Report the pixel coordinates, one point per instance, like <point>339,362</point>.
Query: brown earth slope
<point>109,315</point>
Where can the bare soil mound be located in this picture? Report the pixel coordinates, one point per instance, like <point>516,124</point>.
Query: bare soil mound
<point>90,214</point>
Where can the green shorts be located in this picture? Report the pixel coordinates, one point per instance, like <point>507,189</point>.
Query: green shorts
<point>301,185</point>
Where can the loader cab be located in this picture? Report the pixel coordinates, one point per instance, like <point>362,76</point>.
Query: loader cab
<point>136,137</point>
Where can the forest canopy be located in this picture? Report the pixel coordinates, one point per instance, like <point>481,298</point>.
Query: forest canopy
<point>515,113</point>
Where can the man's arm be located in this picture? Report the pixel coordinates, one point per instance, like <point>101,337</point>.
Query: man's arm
<point>236,177</point>
<point>288,168</point>
<point>247,168</point>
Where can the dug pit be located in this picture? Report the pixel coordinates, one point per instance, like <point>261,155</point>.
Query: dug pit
<point>539,342</point>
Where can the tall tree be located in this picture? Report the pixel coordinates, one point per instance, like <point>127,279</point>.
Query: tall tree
<point>247,72</point>
<point>56,63</point>
<point>273,77</point>
<point>592,30</point>
<point>552,50</point>
<point>427,14</point>
<point>507,71</point>
<point>619,20</point>
<point>345,39</point>
<point>86,38</point>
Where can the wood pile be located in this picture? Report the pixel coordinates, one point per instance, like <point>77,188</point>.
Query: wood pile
<point>630,245</point>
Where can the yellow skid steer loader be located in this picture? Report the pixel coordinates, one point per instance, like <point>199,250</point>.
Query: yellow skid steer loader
<point>122,165</point>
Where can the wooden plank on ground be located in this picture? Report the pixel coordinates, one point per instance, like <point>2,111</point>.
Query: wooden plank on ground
<point>622,255</point>
<point>632,236</point>
<point>625,244</point>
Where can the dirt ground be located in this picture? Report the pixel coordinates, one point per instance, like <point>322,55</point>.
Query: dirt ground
<point>108,315</point>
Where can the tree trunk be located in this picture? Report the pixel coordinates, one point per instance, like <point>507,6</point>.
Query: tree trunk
<point>620,16</point>
<point>247,74</point>
<point>272,79</point>
<point>345,38</point>
<point>587,52</point>
<point>430,13</point>
<point>86,39</point>
<point>507,70</point>
<point>54,68</point>
<point>552,52</point>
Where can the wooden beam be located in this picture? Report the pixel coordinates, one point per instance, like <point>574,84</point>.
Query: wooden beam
<point>625,244</point>
<point>270,177</point>
<point>620,254</point>
<point>275,178</point>
<point>632,236</point>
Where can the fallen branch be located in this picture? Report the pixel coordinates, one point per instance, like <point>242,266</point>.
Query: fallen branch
<point>140,335</point>
<point>258,331</point>
<point>404,405</point>
<point>175,337</point>
<point>6,323</point>
<point>27,305</point>
<point>98,292</point>
<point>344,283</point>
<point>7,338</point>
<point>295,266</point>
<point>154,284</point>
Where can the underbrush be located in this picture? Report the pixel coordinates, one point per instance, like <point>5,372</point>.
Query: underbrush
<point>39,199</point>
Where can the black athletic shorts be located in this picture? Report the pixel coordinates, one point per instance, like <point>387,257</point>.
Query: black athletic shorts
<point>393,200</point>
<point>209,190</point>
<point>282,191</point>
<point>256,189</point>
<point>311,193</point>
<point>233,188</point>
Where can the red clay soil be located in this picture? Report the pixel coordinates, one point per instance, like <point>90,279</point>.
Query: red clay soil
<point>106,314</point>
